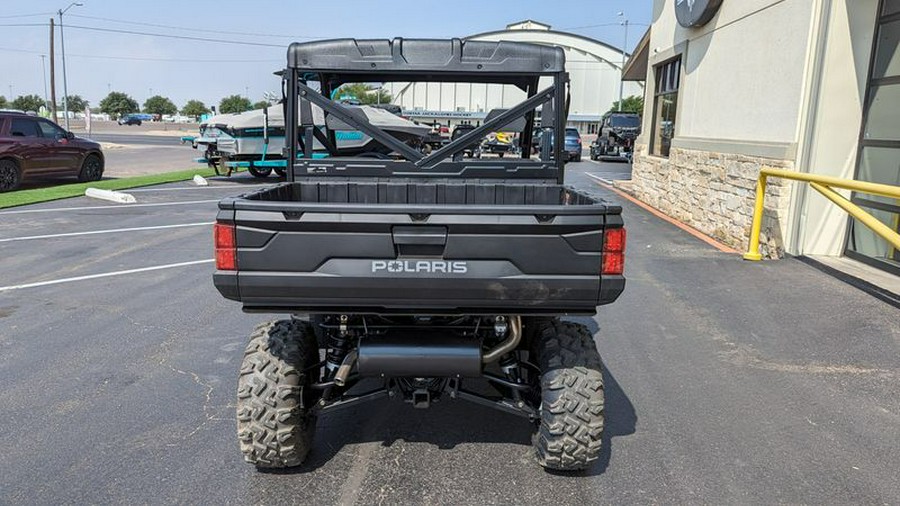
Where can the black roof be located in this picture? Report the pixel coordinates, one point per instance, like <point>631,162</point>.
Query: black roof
<point>425,56</point>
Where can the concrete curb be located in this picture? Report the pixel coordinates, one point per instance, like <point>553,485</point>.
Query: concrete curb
<point>112,196</point>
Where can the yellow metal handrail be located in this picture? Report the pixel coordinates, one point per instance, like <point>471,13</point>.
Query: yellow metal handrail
<point>824,185</point>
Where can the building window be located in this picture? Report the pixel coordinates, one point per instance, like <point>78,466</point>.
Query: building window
<point>668,78</point>
<point>879,145</point>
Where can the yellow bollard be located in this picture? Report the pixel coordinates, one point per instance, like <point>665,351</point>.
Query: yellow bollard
<point>753,251</point>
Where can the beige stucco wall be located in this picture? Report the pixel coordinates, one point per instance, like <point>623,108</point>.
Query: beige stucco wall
<point>829,141</point>
<point>769,82</point>
<point>742,74</point>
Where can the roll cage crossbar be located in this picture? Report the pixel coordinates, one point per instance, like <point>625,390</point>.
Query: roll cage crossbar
<point>333,63</point>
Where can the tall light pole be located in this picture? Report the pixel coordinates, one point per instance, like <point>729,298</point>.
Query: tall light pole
<point>624,48</point>
<point>44,70</point>
<point>62,43</point>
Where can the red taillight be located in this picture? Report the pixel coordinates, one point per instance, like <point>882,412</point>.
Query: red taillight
<point>226,251</point>
<point>614,251</point>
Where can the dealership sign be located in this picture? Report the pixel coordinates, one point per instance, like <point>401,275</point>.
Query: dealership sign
<point>696,13</point>
<point>419,113</point>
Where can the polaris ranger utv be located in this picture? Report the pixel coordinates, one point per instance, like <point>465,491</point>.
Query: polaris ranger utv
<point>420,275</point>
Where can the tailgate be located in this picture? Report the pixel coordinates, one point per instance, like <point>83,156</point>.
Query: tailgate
<point>298,258</point>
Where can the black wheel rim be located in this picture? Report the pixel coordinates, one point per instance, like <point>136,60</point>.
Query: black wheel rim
<point>8,178</point>
<point>92,169</point>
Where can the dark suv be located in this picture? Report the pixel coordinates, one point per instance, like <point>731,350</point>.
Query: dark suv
<point>32,147</point>
<point>571,147</point>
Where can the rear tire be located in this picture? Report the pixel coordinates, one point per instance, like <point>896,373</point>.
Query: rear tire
<point>274,422</point>
<point>10,176</point>
<point>91,169</point>
<point>569,435</point>
<point>261,173</point>
<point>280,172</point>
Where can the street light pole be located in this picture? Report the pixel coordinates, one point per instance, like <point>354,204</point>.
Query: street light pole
<point>622,70</point>
<point>62,43</point>
<point>44,70</point>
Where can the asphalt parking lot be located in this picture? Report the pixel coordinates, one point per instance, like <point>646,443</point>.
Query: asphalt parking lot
<point>726,381</point>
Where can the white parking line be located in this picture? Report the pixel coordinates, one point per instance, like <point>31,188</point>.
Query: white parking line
<point>115,208</point>
<point>598,178</point>
<point>210,187</point>
<point>103,275</point>
<point>107,231</point>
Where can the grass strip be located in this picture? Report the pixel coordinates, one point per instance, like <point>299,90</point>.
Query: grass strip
<point>25,197</point>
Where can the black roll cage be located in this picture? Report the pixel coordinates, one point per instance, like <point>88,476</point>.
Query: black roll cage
<point>337,62</point>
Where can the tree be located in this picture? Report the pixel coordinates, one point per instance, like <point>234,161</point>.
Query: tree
<point>28,103</point>
<point>364,93</point>
<point>158,104</point>
<point>76,103</point>
<point>233,104</point>
<point>262,104</point>
<point>194,109</point>
<point>634,103</point>
<point>3,103</point>
<point>117,104</point>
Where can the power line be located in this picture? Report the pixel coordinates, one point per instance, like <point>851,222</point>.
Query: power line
<point>149,34</point>
<point>600,25</point>
<point>140,58</point>
<point>154,25</point>
<point>28,15</point>
<point>181,37</point>
<point>169,60</point>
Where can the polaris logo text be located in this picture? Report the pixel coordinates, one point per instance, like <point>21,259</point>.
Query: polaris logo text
<point>419,266</point>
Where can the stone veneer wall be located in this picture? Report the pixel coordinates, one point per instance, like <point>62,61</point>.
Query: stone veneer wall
<point>714,193</point>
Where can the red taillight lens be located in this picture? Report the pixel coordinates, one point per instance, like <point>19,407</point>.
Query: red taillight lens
<point>614,251</point>
<point>226,252</point>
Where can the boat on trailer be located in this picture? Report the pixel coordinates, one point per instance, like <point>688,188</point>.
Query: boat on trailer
<point>255,139</point>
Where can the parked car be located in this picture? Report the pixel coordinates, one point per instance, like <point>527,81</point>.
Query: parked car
<point>571,146</point>
<point>130,119</point>
<point>36,147</point>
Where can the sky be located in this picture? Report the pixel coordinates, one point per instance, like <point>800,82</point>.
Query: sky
<point>183,69</point>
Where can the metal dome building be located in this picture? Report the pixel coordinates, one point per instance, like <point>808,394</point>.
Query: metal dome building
<point>595,70</point>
